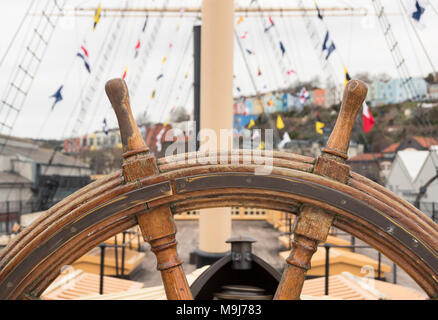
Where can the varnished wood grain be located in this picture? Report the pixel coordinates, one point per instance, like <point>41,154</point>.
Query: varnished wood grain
<point>158,229</point>
<point>313,224</point>
<point>117,93</point>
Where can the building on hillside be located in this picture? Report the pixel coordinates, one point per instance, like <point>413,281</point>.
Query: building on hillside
<point>432,91</point>
<point>429,170</point>
<point>393,91</point>
<point>374,166</point>
<point>414,142</point>
<point>410,171</point>
<point>372,94</point>
<point>310,100</point>
<point>33,178</point>
<point>319,97</point>
<point>333,95</point>
<point>377,166</point>
<point>401,94</point>
<point>95,141</point>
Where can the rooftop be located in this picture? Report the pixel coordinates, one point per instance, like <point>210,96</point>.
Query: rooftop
<point>366,157</point>
<point>41,155</point>
<point>412,160</point>
<point>11,177</point>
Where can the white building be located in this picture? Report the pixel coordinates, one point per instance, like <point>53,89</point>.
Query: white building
<point>410,171</point>
<point>24,165</point>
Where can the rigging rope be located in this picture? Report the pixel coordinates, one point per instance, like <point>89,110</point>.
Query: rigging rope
<point>25,70</point>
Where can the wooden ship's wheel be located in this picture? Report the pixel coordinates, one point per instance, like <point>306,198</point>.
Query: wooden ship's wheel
<point>322,192</point>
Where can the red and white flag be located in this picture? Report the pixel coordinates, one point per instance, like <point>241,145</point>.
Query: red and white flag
<point>367,118</point>
<point>304,95</point>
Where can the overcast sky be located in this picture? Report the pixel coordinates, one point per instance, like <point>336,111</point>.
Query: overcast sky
<point>360,45</point>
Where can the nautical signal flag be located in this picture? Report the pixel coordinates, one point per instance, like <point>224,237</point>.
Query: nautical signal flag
<point>160,76</point>
<point>83,54</point>
<point>317,9</point>
<point>328,45</point>
<point>240,20</point>
<point>272,24</point>
<point>57,95</point>
<point>280,123</point>
<point>367,118</point>
<point>244,35</point>
<point>261,146</point>
<point>347,76</point>
<point>249,51</point>
<point>251,124</point>
<point>283,50</point>
<point>304,95</point>
<point>270,102</point>
<point>137,46</point>
<point>419,10</point>
<point>164,59</point>
<point>124,73</point>
<point>289,72</point>
<point>317,116</point>
<point>105,126</point>
<point>153,94</point>
<point>259,72</point>
<point>286,139</point>
<point>416,9</point>
<point>318,127</point>
<point>97,16</point>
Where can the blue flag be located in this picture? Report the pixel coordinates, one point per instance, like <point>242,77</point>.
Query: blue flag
<point>57,95</point>
<point>319,12</point>
<point>105,126</point>
<point>416,15</point>
<point>283,50</point>
<point>325,46</point>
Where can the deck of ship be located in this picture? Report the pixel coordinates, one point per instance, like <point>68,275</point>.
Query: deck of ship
<point>267,247</point>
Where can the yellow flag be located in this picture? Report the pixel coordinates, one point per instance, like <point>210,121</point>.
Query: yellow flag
<point>167,121</point>
<point>318,127</point>
<point>153,94</point>
<point>347,76</point>
<point>261,146</point>
<point>164,59</point>
<point>280,123</point>
<point>97,16</point>
<point>251,124</point>
<point>240,20</point>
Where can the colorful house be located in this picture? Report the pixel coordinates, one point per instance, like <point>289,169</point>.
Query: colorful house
<point>258,105</point>
<point>394,91</point>
<point>319,97</point>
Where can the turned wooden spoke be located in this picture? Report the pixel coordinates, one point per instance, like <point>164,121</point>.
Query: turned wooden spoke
<point>313,224</point>
<point>156,225</point>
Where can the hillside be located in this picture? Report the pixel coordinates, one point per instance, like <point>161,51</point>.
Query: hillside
<point>392,124</point>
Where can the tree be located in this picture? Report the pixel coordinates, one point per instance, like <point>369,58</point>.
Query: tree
<point>364,76</point>
<point>179,114</point>
<point>431,79</point>
<point>383,77</point>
